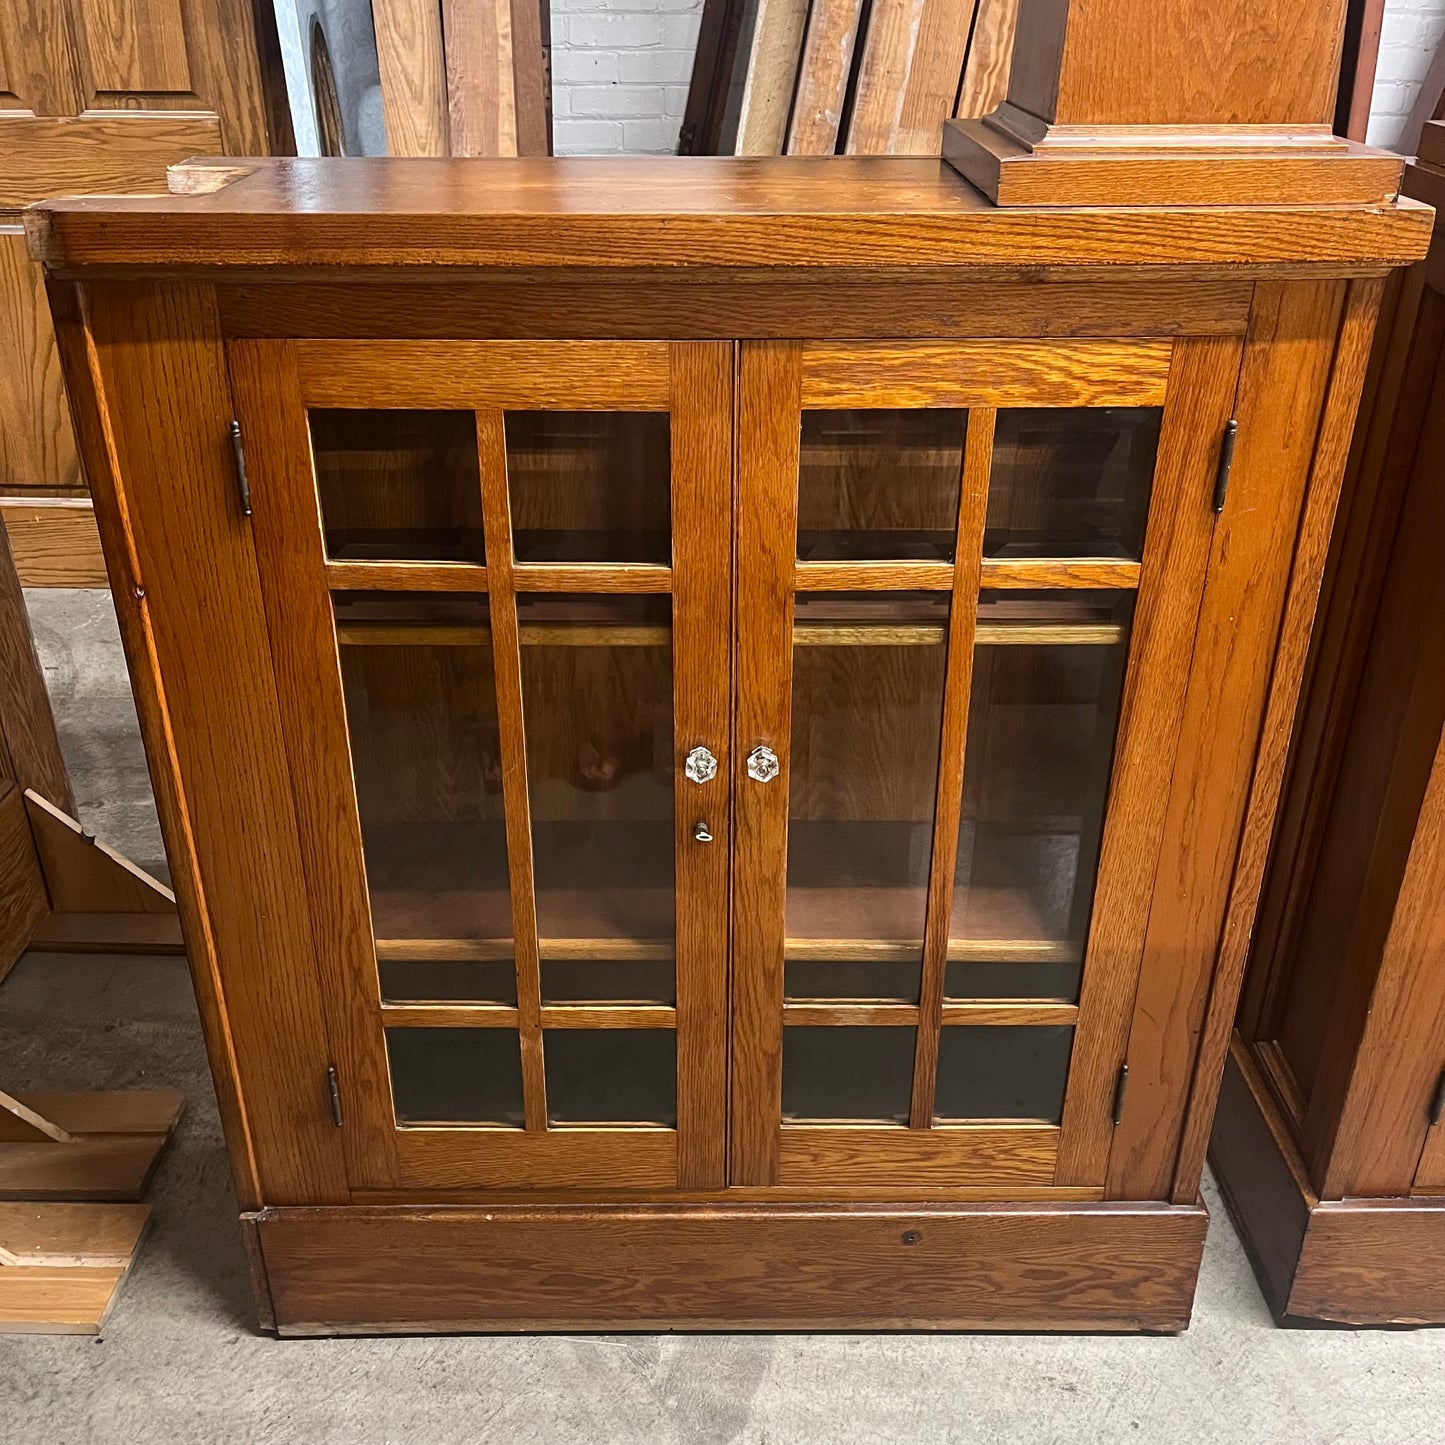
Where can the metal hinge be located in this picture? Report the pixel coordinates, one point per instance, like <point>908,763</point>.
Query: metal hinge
<point>1226,464</point>
<point>1437,1100</point>
<point>243,485</point>
<point>1121,1087</point>
<point>333,1092</point>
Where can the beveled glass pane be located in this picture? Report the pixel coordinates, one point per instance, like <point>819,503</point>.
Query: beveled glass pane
<point>880,484</point>
<point>1055,981</point>
<point>1048,676</point>
<point>1005,1072</point>
<point>893,979</point>
<point>597,702</point>
<point>611,1076</point>
<point>1071,481</point>
<point>868,675</point>
<point>421,712</point>
<point>590,486</point>
<point>841,1072</point>
<point>598,980</point>
<point>398,485</point>
<point>445,980</point>
<point>456,1076</point>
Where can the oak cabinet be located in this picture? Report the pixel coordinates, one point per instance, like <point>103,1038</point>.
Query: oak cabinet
<point>753,827</point>
<point>1329,1142</point>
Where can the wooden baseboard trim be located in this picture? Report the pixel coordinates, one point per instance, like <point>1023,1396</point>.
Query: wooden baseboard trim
<point>367,1269</point>
<point>1346,1262</point>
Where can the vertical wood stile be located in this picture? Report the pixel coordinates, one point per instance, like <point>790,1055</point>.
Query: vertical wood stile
<point>769,390</point>
<point>1288,356</point>
<point>702,421</point>
<point>1201,393</point>
<point>967,570</point>
<point>507,662</point>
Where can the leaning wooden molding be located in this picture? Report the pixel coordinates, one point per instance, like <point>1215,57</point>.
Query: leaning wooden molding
<point>1221,106</point>
<point>85,875</point>
<point>54,541</point>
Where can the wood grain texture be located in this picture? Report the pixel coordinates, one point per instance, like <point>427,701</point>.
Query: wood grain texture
<point>58,1300</point>
<point>1281,394</point>
<point>1327,469</point>
<point>638,1268</point>
<point>142,933</point>
<point>1204,64</point>
<point>93,433</point>
<point>481,99</point>
<point>512,742</point>
<point>770,213</point>
<point>29,745</point>
<point>702,643</point>
<point>1372,1262</point>
<point>1079,373</point>
<point>54,542</point>
<point>23,900</point>
<point>1121,169</point>
<point>585,374</point>
<point>37,445</point>
<point>154,418</point>
<point>122,152</point>
<point>823,71</point>
<point>81,1235</point>
<point>769,387</point>
<point>1357,1261</point>
<point>1176,548</point>
<point>747,306</point>
<point>767,93</point>
<point>1260,1174</point>
<point>990,58</point>
<point>286,531</point>
<point>84,875</point>
<point>943,858</point>
<point>946,29</point>
<point>412,58</point>
<point>822,1157</point>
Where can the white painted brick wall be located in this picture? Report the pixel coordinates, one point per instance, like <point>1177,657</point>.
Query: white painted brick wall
<point>1408,40</point>
<point>620,70</point>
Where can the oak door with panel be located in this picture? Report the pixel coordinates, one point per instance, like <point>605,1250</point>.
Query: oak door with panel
<point>497,578</point>
<point>964,574</point>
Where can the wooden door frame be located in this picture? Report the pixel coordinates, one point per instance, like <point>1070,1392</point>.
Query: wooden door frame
<point>1193,379</point>
<point>275,382</point>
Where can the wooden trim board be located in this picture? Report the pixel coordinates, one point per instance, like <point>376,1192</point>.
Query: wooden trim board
<point>361,1269</point>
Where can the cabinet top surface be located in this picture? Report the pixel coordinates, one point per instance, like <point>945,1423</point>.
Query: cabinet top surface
<point>673,213</point>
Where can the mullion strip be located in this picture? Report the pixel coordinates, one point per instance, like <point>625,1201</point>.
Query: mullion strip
<point>507,664</point>
<point>963,614</point>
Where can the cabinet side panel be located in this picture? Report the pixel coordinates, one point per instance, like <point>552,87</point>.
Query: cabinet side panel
<point>1311,549</point>
<point>155,438</point>
<point>1287,359</point>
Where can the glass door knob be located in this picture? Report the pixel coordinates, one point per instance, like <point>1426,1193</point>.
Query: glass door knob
<point>763,765</point>
<point>700,766</point>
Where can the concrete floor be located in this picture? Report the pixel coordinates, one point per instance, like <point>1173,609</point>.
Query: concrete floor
<point>180,1360</point>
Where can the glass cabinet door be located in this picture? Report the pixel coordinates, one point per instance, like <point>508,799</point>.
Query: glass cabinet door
<point>498,597</point>
<point>958,564</point>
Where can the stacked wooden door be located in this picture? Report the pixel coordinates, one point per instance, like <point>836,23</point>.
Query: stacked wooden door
<point>96,98</point>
